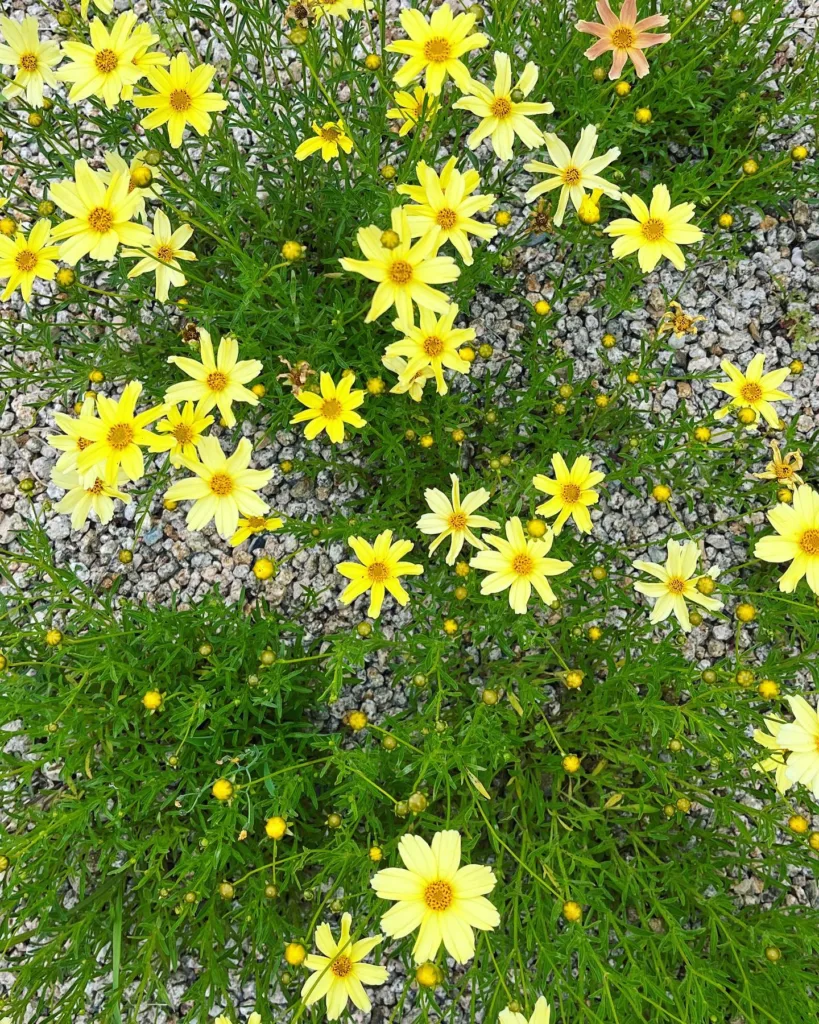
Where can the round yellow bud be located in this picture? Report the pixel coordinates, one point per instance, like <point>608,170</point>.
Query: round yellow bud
<point>169,505</point>
<point>503,218</point>
<point>389,743</point>
<point>53,638</point>
<point>426,440</point>
<point>372,62</point>
<point>376,386</point>
<point>745,612</point>
<point>684,805</point>
<point>490,697</point>
<point>768,689</point>
<point>96,376</point>
<point>35,119</point>
<point>799,153</point>
<point>675,746</point>
<point>298,36</point>
<point>65,277</point>
<point>462,569</point>
<point>275,827</point>
<point>364,629</point>
<point>264,568</point>
<point>602,401</point>
<point>599,573</point>
<point>141,177</point>
<point>390,239</point>
<point>357,720</point>
<point>633,377</point>
<point>574,678</point>
<point>460,593</point>
<point>608,341</point>
<point>773,953</point>
<point>450,627</point>
<point>706,585</point>
<point>798,824</point>
<point>622,89</point>
<point>784,495</point>
<point>485,351</point>
<point>536,528</point>
<point>375,853</point>
<point>152,699</point>
<point>467,354</point>
<point>750,167</point>
<point>4,862</point>
<point>595,633</point>
<point>747,417</point>
<point>8,226</point>
<point>738,16</point>
<point>4,661</point>
<point>286,466</point>
<point>702,434</point>
<point>571,763</point>
<point>267,657</point>
<point>226,890</point>
<point>388,172</point>
<point>572,911</point>
<point>295,954</point>
<point>334,820</point>
<point>292,251</point>
<point>796,366</point>
<point>725,220</point>
<point>222,789</point>
<point>813,840</point>
<point>642,115</point>
<point>745,677</point>
<point>458,435</point>
<point>542,307</point>
<point>259,390</point>
<point>417,802</point>
<point>589,211</point>
<point>660,492</point>
<point>427,975</point>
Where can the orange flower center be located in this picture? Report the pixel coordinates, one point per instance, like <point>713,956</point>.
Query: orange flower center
<point>331,409</point>
<point>100,220</point>
<point>180,100</point>
<point>809,542</point>
<point>433,346</point>
<point>164,253</point>
<point>400,272</point>
<point>82,443</point>
<point>523,564</point>
<point>330,134</point>
<point>97,487</point>
<point>782,471</point>
<point>623,38</point>
<point>378,572</point>
<point>183,433</point>
<point>446,219</point>
<point>570,493</point>
<point>500,107</point>
<point>653,229</point>
<point>120,436</point>
<point>26,260</point>
<point>221,485</point>
<point>457,521</point>
<point>341,966</point>
<point>438,895</point>
<point>256,523</point>
<point>676,584</point>
<point>751,391</point>
<point>105,61</point>
<point>28,61</point>
<point>216,380</point>
<point>437,50</point>
<point>571,176</point>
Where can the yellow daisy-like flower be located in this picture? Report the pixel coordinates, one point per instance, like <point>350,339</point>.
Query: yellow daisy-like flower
<point>379,571</point>
<point>22,259</point>
<point>144,58</point>
<point>573,172</point>
<point>217,381</point>
<point>658,230</point>
<point>254,525</point>
<point>542,1014</point>
<point>106,66</point>
<point>413,108</point>
<point>436,895</point>
<point>435,47</point>
<point>117,436</point>
<point>455,519</point>
<point>83,498</point>
<point>106,6</point>
<point>166,249</point>
<point>676,320</point>
<point>331,409</point>
<point>753,389</point>
<point>100,216</point>
<point>518,564</point>
<point>135,172</point>
<point>776,762</point>
<point>408,384</point>
<point>572,492</point>
<point>404,274</point>
<point>181,98</point>
<point>339,974</point>
<point>801,737</point>
<point>796,540</point>
<point>336,9</point>
<point>503,109</point>
<point>329,138</point>
<point>447,203</point>
<point>434,343</point>
<point>677,585</point>
<point>32,59</point>
<point>181,431</point>
<point>222,488</point>
<point>73,439</point>
<point>785,470</point>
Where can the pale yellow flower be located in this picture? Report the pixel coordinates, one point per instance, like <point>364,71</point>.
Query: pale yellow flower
<point>24,259</point>
<point>572,492</point>
<point>785,470</point>
<point>677,321</point>
<point>105,67</point>
<point>796,540</point>
<point>413,108</point>
<point>435,47</point>
<point>677,585</point>
<point>254,525</point>
<point>657,232</point>
<point>455,518</point>
<point>433,343</point>
<point>32,60</point>
<point>412,385</point>
<point>776,761</point>
<point>180,433</point>
<point>181,98</point>
<point>73,439</point>
<point>331,409</point>
<point>84,497</point>
<point>339,974</point>
<point>217,380</point>
<point>329,138</point>
<point>541,1014</point>
<point>379,570</point>
<point>165,249</point>
<point>117,437</point>
<point>753,389</point>
<point>132,171</point>
<point>801,738</point>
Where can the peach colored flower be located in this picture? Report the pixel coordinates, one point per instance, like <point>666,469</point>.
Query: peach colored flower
<point>626,36</point>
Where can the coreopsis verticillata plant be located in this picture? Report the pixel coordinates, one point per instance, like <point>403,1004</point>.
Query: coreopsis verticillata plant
<point>217,380</point>
<point>446,203</point>
<point>677,584</point>
<point>145,58</point>
<point>181,98</point>
<point>24,259</point>
<point>656,233</point>
<point>455,518</point>
<point>573,172</point>
<point>253,526</point>
<point>572,492</point>
<point>222,487</point>
<point>411,384</point>
<point>541,1014</point>
<point>331,409</point>
<point>624,35</point>
<point>775,763</point>
<point>378,571</point>
<point>413,108</point>
<point>142,178</point>
<point>33,59</point>
<point>437,896</point>
<point>801,739</point>
<point>100,215</point>
<point>504,110</point>
<point>433,343</point>
<point>783,469</point>
<point>117,436</point>
<point>753,389</point>
<point>796,540</point>
<point>339,973</point>
<point>165,249</point>
<point>404,273</point>
<point>180,432</point>
<point>435,48</point>
<point>73,438</point>
<point>678,322</point>
<point>518,564</point>
<point>84,497</point>
<point>327,138</point>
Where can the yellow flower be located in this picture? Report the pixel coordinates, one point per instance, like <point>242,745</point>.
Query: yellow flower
<point>99,216</point>
<point>137,166</point>
<point>106,66</point>
<point>674,319</point>
<point>572,492</point>
<point>24,259</point>
<point>776,762</point>
<point>106,6</point>
<point>435,47</point>
<point>797,526</point>
<point>455,519</point>
<point>623,34</point>
<point>144,58</point>
<point>166,249</point>
<point>404,274</point>
<point>83,498</point>
<point>222,488</point>
<point>73,439</point>
<point>503,114</point>
<point>379,571</point>
<point>336,8</point>
<point>414,385</point>
<point>573,173</point>
<point>181,432</point>
<point>589,212</point>
<point>677,585</point>
<point>32,59</point>
<point>801,737</point>
<point>413,108</point>
<point>542,1014</point>
<point>753,389</point>
<point>116,436</point>
<point>181,98</point>
<point>255,524</point>
<point>339,974</point>
<point>657,232</point>
<point>216,381</point>
<point>437,896</point>
<point>328,138</point>
<point>784,470</point>
<point>519,564</point>
<point>434,343</point>
<point>445,203</point>
<point>331,409</point>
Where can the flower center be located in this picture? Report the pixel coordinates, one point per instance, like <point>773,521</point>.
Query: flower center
<point>446,219</point>
<point>100,220</point>
<point>570,493</point>
<point>97,487</point>
<point>105,61</point>
<point>433,346</point>
<point>378,572</point>
<point>331,409</point>
<point>623,38</point>
<point>676,584</point>
<point>783,472</point>
<point>329,133</point>
<point>180,100</point>
<point>653,229</point>
<point>682,323</point>
<point>216,380</point>
<point>751,391</point>
<point>400,272</point>
<point>28,61</point>
<point>183,433</point>
<point>26,260</point>
<point>809,542</point>
<point>500,107</point>
<point>439,895</point>
<point>221,484</point>
<point>164,253</point>
<point>571,176</point>
<point>457,521</point>
<point>341,966</point>
<point>523,564</point>
<point>120,436</point>
<point>437,50</point>
<point>82,443</point>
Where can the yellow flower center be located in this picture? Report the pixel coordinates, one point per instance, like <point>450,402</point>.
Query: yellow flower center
<point>378,572</point>
<point>433,346</point>
<point>682,323</point>
<point>164,253</point>
<point>782,471</point>
<point>180,100</point>
<point>457,521</point>
<point>437,50</point>
<point>570,493</point>
<point>331,409</point>
<point>809,542</point>
<point>751,391</point>
<point>400,272</point>
<point>256,523</point>
<point>97,488</point>
<point>571,176</point>
<point>653,229</point>
<point>221,484</point>
<point>439,895</point>
<point>26,260</point>
<point>446,218</point>
<point>500,107</point>
<point>120,436</point>
<point>183,433</point>
<point>676,584</point>
<point>523,564</point>
<point>82,443</point>
<point>623,38</point>
<point>28,61</point>
<point>100,220</point>
<point>216,380</point>
<point>330,133</point>
<point>105,61</point>
<point>341,966</point>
